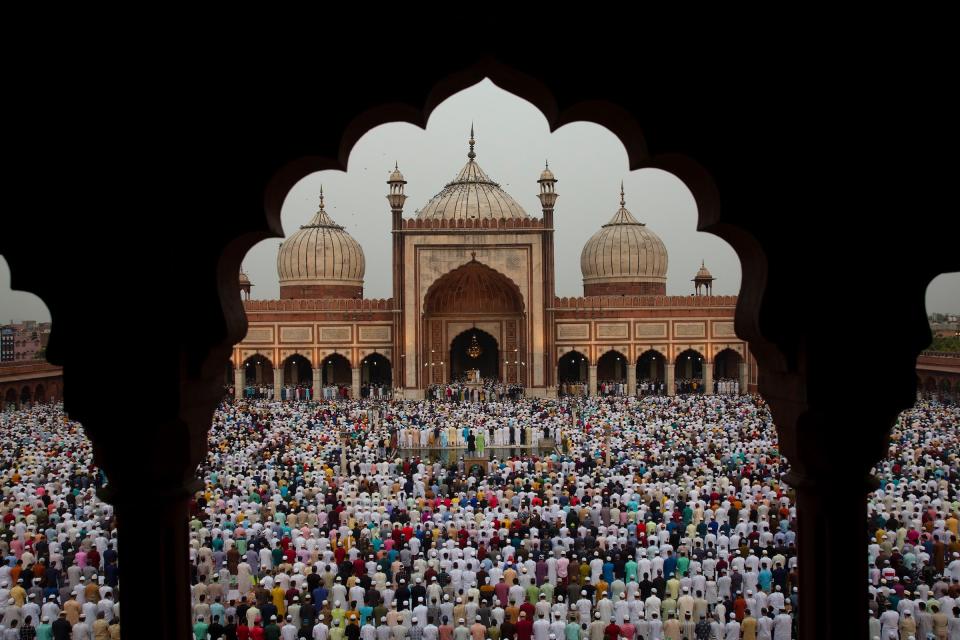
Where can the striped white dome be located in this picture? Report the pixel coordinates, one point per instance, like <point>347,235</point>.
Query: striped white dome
<point>472,194</point>
<point>624,250</point>
<point>321,252</point>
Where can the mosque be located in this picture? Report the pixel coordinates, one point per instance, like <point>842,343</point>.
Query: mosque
<point>474,288</point>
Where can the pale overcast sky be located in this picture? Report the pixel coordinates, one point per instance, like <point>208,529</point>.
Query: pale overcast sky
<point>512,144</point>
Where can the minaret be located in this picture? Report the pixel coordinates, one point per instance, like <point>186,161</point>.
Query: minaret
<point>245,284</point>
<point>703,279</point>
<point>548,195</point>
<point>548,198</point>
<point>396,198</point>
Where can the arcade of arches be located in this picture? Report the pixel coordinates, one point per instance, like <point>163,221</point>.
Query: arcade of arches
<point>688,373</point>
<point>25,384</point>
<point>938,375</point>
<point>297,370</point>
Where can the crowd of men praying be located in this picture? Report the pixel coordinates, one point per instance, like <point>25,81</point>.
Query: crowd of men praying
<point>654,518</point>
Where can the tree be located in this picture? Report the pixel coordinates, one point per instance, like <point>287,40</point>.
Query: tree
<point>948,343</point>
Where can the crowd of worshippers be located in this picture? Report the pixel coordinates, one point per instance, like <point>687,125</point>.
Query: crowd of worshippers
<point>645,387</point>
<point>688,533</point>
<point>375,390</point>
<point>489,390</point>
<point>60,574</point>
<point>491,431</point>
<point>253,391</point>
<point>693,500</point>
<point>612,388</point>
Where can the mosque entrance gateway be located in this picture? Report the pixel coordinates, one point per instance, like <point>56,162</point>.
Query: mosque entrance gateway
<point>473,319</point>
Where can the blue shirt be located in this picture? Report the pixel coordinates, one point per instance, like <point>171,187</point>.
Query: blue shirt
<point>608,572</point>
<point>669,566</point>
<point>765,578</point>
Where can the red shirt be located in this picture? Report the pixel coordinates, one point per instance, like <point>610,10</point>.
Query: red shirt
<point>528,609</point>
<point>524,629</point>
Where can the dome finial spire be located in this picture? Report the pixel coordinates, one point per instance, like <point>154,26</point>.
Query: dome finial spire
<point>321,197</point>
<point>471,155</point>
<point>623,201</point>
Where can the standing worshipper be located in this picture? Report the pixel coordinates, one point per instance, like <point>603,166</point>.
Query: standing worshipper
<point>61,627</point>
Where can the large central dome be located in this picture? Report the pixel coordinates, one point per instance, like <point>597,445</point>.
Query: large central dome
<point>472,194</point>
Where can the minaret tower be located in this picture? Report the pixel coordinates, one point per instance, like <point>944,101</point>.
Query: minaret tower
<point>703,279</point>
<point>548,198</point>
<point>396,198</point>
<point>245,284</point>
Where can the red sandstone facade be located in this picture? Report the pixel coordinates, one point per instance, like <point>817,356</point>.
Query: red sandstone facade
<point>23,384</point>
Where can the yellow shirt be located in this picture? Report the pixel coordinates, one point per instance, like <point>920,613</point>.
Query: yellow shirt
<point>952,525</point>
<point>101,630</point>
<point>602,588</point>
<point>279,602</point>
<point>19,595</point>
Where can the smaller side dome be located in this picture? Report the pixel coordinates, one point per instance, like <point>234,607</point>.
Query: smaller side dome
<point>321,260</point>
<point>396,176</point>
<point>546,175</point>
<point>703,273</point>
<point>703,279</point>
<point>624,258</point>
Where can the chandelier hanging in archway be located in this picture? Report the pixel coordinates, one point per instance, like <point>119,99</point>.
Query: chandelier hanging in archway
<point>474,350</point>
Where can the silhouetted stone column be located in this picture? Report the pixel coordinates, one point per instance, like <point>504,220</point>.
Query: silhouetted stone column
<point>592,380</point>
<point>708,378</point>
<point>355,382</point>
<point>744,380</point>
<point>277,383</point>
<point>155,521</point>
<point>831,530</point>
<point>668,369</point>
<point>317,383</point>
<point>631,380</point>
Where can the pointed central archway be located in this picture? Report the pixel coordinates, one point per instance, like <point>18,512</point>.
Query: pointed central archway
<point>473,302</point>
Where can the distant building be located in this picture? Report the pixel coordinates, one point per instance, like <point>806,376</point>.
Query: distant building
<point>24,341</point>
<point>7,337</point>
<point>945,329</point>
